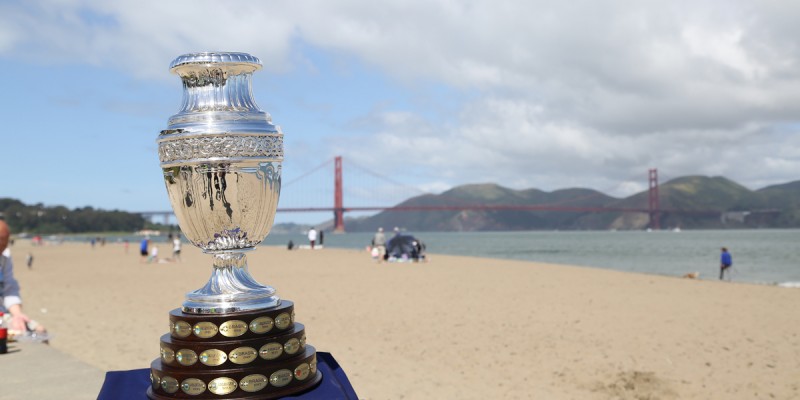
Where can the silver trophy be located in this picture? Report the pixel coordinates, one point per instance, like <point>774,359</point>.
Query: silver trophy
<point>221,157</point>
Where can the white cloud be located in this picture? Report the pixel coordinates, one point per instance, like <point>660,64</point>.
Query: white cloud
<point>580,93</point>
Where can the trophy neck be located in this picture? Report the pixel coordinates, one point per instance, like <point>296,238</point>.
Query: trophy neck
<point>230,259</point>
<point>217,90</point>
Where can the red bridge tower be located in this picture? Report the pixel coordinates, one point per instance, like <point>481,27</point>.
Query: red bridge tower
<point>653,199</point>
<point>338,203</point>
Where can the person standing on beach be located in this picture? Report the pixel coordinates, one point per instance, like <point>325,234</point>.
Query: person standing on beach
<point>153,255</point>
<point>725,262</point>
<point>176,248</point>
<point>379,243</point>
<point>312,237</point>
<point>10,300</point>
<point>143,249</point>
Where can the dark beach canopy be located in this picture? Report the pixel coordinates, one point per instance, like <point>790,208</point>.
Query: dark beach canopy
<point>402,244</point>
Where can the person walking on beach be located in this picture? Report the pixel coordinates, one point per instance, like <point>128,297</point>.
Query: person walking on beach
<point>379,243</point>
<point>725,262</point>
<point>312,237</point>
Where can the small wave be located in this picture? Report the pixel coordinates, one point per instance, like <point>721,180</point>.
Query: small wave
<point>789,284</point>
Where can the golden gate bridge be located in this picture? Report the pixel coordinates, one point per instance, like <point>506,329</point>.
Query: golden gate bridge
<point>338,207</point>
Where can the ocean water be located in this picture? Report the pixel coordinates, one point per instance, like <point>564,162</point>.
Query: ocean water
<point>759,256</point>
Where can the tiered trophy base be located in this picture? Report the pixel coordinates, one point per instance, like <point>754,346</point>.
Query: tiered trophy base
<point>250,355</point>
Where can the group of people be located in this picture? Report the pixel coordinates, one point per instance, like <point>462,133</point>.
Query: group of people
<point>400,247</point>
<point>10,300</point>
<point>150,253</point>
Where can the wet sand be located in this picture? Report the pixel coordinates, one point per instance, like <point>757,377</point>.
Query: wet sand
<point>453,328</point>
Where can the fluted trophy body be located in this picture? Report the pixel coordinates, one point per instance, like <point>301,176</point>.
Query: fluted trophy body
<point>221,158</point>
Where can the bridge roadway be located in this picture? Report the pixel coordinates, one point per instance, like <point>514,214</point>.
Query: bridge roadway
<point>500,207</point>
<point>482,207</point>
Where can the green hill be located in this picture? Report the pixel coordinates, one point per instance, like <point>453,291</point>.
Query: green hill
<point>690,202</point>
<point>486,220</point>
<point>786,198</point>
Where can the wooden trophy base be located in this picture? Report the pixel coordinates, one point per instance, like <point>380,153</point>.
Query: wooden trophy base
<point>249,355</point>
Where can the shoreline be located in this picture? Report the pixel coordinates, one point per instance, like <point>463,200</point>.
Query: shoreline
<point>455,327</point>
<point>760,259</point>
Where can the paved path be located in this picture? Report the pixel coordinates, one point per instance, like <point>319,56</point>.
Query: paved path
<point>38,371</point>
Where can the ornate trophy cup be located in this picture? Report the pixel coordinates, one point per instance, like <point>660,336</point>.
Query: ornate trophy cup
<point>221,158</point>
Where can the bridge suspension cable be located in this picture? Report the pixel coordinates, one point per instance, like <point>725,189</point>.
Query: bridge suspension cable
<point>386,178</point>
<point>307,173</point>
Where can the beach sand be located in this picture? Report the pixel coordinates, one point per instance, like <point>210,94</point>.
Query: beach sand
<point>452,328</point>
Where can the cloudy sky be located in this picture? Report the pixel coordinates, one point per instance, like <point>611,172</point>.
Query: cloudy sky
<point>434,93</point>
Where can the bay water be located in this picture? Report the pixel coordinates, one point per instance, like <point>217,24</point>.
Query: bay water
<point>768,256</point>
<point>759,256</point>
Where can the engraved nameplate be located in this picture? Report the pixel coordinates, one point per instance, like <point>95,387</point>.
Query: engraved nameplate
<point>280,378</point>
<point>271,351</point>
<point>253,383</point>
<point>205,330</point>
<point>213,357</point>
<point>283,320</point>
<point>222,386</point>
<point>234,328</point>
<point>182,329</point>
<point>193,386</point>
<point>242,355</point>
<point>261,325</point>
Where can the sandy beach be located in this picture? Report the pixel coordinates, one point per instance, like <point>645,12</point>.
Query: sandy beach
<point>452,328</point>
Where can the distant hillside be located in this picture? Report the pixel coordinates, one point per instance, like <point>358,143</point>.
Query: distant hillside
<point>689,198</point>
<point>41,219</point>
<point>479,220</point>
<point>785,197</point>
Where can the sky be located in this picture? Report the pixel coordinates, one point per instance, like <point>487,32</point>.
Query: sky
<point>434,93</point>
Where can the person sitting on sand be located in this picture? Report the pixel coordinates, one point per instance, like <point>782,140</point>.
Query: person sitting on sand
<point>11,303</point>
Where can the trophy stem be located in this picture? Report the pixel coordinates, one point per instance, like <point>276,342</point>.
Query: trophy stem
<point>230,289</point>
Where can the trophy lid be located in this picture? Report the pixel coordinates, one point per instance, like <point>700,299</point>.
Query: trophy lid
<point>217,95</point>
<point>231,59</point>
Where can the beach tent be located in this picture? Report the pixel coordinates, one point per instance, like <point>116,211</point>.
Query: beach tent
<point>402,247</point>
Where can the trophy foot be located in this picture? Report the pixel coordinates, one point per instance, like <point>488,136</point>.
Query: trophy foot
<point>230,289</point>
<point>222,307</point>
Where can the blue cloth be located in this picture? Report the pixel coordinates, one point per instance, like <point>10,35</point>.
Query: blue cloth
<point>725,259</point>
<point>133,384</point>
